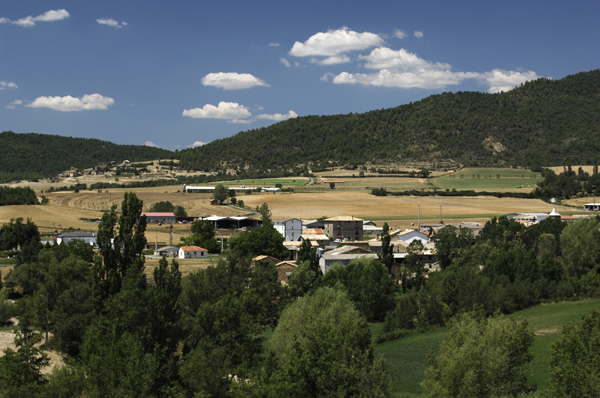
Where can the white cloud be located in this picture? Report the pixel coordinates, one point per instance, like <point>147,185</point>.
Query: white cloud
<point>225,110</point>
<point>232,81</point>
<point>5,85</point>
<point>386,58</point>
<point>278,116</point>
<point>418,34</point>
<point>296,64</point>
<point>274,44</point>
<point>14,104</point>
<point>428,79</point>
<point>197,143</point>
<point>338,59</point>
<point>400,34</point>
<point>111,22</point>
<point>285,62</point>
<point>325,78</point>
<point>48,16</point>
<point>70,104</point>
<point>150,143</point>
<point>502,80</point>
<point>335,42</point>
<point>240,121</point>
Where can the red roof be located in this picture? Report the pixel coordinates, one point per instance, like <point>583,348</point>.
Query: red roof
<point>158,214</point>
<point>193,249</point>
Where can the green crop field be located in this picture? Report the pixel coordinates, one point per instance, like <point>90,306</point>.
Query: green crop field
<point>407,356</point>
<point>489,179</point>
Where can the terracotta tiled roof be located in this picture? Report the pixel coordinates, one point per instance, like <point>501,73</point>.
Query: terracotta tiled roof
<point>193,249</point>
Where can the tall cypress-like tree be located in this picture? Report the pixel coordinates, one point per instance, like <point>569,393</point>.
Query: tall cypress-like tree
<point>386,256</point>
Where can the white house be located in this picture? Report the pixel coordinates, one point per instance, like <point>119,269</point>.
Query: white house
<point>290,228</point>
<point>192,252</point>
<point>409,235</point>
<point>169,251</point>
<point>87,237</point>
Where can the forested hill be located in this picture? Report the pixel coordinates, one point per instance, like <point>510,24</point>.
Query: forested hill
<point>26,156</point>
<point>542,122</point>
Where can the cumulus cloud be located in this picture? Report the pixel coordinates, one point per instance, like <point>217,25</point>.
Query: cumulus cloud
<point>48,16</point>
<point>274,44</point>
<point>71,104</point>
<point>333,43</point>
<point>14,104</point>
<point>225,110</point>
<point>285,62</point>
<point>150,143</point>
<point>197,143</point>
<point>400,34</point>
<point>386,58</point>
<point>232,81</point>
<point>5,85</point>
<point>278,116</point>
<point>503,80</point>
<point>111,22</point>
<point>418,34</point>
<point>428,79</point>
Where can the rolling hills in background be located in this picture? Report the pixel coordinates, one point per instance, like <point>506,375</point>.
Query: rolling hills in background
<point>543,122</point>
<point>27,156</point>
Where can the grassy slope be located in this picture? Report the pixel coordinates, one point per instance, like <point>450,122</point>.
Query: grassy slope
<point>407,356</point>
<point>510,179</point>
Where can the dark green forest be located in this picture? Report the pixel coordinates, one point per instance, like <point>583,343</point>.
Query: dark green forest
<point>542,122</point>
<point>29,156</point>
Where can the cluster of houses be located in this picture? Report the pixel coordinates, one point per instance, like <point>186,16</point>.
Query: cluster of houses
<point>336,239</point>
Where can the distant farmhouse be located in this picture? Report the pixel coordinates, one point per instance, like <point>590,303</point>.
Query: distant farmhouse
<point>87,237</point>
<point>166,217</point>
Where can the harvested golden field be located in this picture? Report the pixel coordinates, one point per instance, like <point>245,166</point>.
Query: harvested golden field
<point>50,218</point>
<point>195,205</point>
<point>364,205</point>
<point>560,169</point>
<point>186,266</point>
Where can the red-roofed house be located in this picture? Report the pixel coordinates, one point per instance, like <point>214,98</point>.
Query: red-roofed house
<point>192,252</point>
<point>160,217</point>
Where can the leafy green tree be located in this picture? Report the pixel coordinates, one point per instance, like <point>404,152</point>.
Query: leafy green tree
<point>121,240</point>
<point>575,358</point>
<point>368,283</point>
<point>309,253</point>
<point>264,240</point>
<point>162,207</point>
<point>16,233</point>
<point>21,370</point>
<point>203,235</point>
<point>180,211</point>
<point>265,213</point>
<point>450,243</point>
<point>322,347</point>
<point>332,185</point>
<point>386,256</point>
<point>414,265</point>
<point>220,193</point>
<point>580,245</point>
<point>481,358</point>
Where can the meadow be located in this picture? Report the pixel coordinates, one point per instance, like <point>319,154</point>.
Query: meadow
<point>489,179</point>
<point>407,356</point>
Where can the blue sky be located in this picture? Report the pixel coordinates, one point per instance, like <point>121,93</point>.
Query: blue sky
<point>181,73</point>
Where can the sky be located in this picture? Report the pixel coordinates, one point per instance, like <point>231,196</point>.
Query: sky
<point>178,74</point>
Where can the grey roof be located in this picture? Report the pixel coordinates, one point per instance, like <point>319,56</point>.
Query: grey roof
<point>78,234</point>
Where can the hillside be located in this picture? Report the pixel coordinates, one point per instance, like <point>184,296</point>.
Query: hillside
<point>27,156</point>
<point>543,122</point>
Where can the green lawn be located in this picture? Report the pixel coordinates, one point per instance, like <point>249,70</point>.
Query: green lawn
<point>407,356</point>
<point>8,262</point>
<point>488,179</point>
